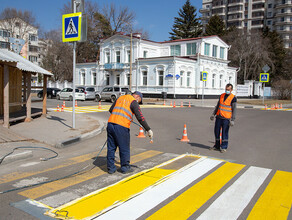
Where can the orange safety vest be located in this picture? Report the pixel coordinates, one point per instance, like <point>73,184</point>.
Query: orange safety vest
<point>122,114</point>
<point>225,106</point>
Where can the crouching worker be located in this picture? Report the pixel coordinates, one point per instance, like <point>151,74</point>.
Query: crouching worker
<point>118,129</point>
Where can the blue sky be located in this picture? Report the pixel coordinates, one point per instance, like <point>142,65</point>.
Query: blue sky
<point>154,16</point>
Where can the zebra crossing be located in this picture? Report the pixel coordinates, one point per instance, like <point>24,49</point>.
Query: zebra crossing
<point>178,188</point>
<point>97,108</point>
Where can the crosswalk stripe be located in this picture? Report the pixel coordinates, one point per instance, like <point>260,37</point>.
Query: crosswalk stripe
<point>19,175</point>
<point>276,200</point>
<point>48,188</point>
<point>191,200</point>
<point>233,200</point>
<point>137,206</point>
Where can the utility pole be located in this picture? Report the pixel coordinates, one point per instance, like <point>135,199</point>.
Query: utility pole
<point>130,80</point>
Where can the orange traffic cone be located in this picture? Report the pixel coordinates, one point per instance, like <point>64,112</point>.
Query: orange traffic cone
<point>266,107</point>
<point>64,105</point>
<point>185,136</point>
<point>141,133</point>
<point>76,103</point>
<point>170,103</point>
<point>173,104</point>
<point>58,109</point>
<point>281,106</point>
<point>189,104</point>
<point>164,102</point>
<point>99,105</point>
<point>62,109</point>
<point>272,107</point>
<point>181,104</point>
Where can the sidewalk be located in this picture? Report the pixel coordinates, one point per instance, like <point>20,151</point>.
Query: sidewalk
<point>54,130</point>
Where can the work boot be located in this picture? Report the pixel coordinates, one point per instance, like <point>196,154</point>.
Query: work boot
<point>213,148</point>
<point>111,171</point>
<point>222,150</point>
<point>127,171</point>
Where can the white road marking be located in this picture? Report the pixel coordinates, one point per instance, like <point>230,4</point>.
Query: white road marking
<point>233,200</point>
<point>137,206</point>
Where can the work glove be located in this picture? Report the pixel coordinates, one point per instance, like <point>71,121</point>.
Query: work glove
<point>150,134</point>
<point>231,123</point>
<point>212,117</point>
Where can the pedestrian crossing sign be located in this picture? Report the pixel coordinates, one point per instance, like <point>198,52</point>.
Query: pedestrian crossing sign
<point>264,77</point>
<point>204,76</point>
<point>71,27</point>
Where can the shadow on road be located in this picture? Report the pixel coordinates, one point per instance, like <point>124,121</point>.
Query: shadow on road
<point>199,145</point>
<point>59,120</point>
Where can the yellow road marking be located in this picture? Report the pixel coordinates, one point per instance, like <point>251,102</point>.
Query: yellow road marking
<point>276,200</point>
<point>64,183</point>
<point>191,200</point>
<point>93,204</point>
<point>17,175</point>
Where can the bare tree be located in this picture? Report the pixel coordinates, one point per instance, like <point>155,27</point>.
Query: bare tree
<point>18,22</point>
<point>248,52</point>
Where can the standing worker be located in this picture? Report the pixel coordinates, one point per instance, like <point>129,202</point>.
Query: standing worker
<point>118,129</point>
<point>225,112</point>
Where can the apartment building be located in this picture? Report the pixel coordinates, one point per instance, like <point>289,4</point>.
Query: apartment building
<point>174,67</point>
<point>252,15</point>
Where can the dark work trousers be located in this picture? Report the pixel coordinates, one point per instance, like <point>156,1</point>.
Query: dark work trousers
<point>224,125</point>
<point>118,136</point>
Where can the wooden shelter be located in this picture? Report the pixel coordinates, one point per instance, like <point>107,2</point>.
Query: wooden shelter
<point>15,85</point>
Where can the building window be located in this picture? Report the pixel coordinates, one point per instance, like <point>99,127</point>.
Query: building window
<point>230,79</point>
<point>4,33</point>
<point>94,78</point>
<point>222,52</point>
<point>144,75</point>
<point>181,78</point>
<point>270,5</point>
<point>82,77</point>
<point>213,80</point>
<point>214,53</point>
<point>107,79</point>
<point>108,57</point>
<point>4,45</point>
<point>33,37</point>
<point>191,49</point>
<point>33,48</point>
<point>221,81</point>
<point>129,55</point>
<point>144,54</point>
<point>188,79</point>
<point>33,58</point>
<point>175,50</point>
<point>160,78</point>
<point>269,22</point>
<point>118,79</point>
<point>128,79</point>
<point>207,49</point>
<point>118,57</point>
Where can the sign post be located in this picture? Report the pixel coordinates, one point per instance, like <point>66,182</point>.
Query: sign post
<point>264,77</point>
<point>204,79</point>
<point>71,32</point>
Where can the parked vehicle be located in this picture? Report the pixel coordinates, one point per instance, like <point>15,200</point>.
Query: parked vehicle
<point>111,93</point>
<point>89,92</point>
<point>51,93</point>
<point>67,93</point>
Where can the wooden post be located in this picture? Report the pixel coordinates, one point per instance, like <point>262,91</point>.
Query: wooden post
<point>24,86</point>
<point>6,96</point>
<point>45,95</point>
<point>28,102</point>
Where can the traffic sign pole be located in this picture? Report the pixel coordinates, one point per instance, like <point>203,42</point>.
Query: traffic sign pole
<point>74,65</point>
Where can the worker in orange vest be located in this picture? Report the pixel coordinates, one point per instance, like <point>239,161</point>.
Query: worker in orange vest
<point>225,112</point>
<point>118,129</point>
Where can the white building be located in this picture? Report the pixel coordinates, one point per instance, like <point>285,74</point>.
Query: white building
<point>173,67</point>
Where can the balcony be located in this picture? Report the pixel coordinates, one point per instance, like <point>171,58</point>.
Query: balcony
<point>114,66</point>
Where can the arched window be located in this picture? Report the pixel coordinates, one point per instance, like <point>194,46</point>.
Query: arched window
<point>93,74</point>
<point>107,79</point>
<point>82,77</point>
<point>118,79</point>
<point>188,79</point>
<point>144,76</point>
<point>181,78</point>
<point>213,80</point>
<point>221,81</point>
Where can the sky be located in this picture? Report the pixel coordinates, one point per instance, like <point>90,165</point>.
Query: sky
<point>154,16</point>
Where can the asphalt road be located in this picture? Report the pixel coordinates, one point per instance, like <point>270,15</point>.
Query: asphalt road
<point>259,138</point>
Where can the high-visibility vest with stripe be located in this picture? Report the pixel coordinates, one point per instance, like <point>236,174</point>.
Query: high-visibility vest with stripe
<point>225,109</point>
<point>122,114</point>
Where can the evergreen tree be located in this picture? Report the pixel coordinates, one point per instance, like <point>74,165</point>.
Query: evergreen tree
<point>215,26</point>
<point>187,25</point>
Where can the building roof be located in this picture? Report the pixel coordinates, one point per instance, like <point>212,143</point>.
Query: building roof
<point>21,62</point>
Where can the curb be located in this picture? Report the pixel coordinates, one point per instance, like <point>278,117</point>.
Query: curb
<point>18,156</point>
<point>79,138</point>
